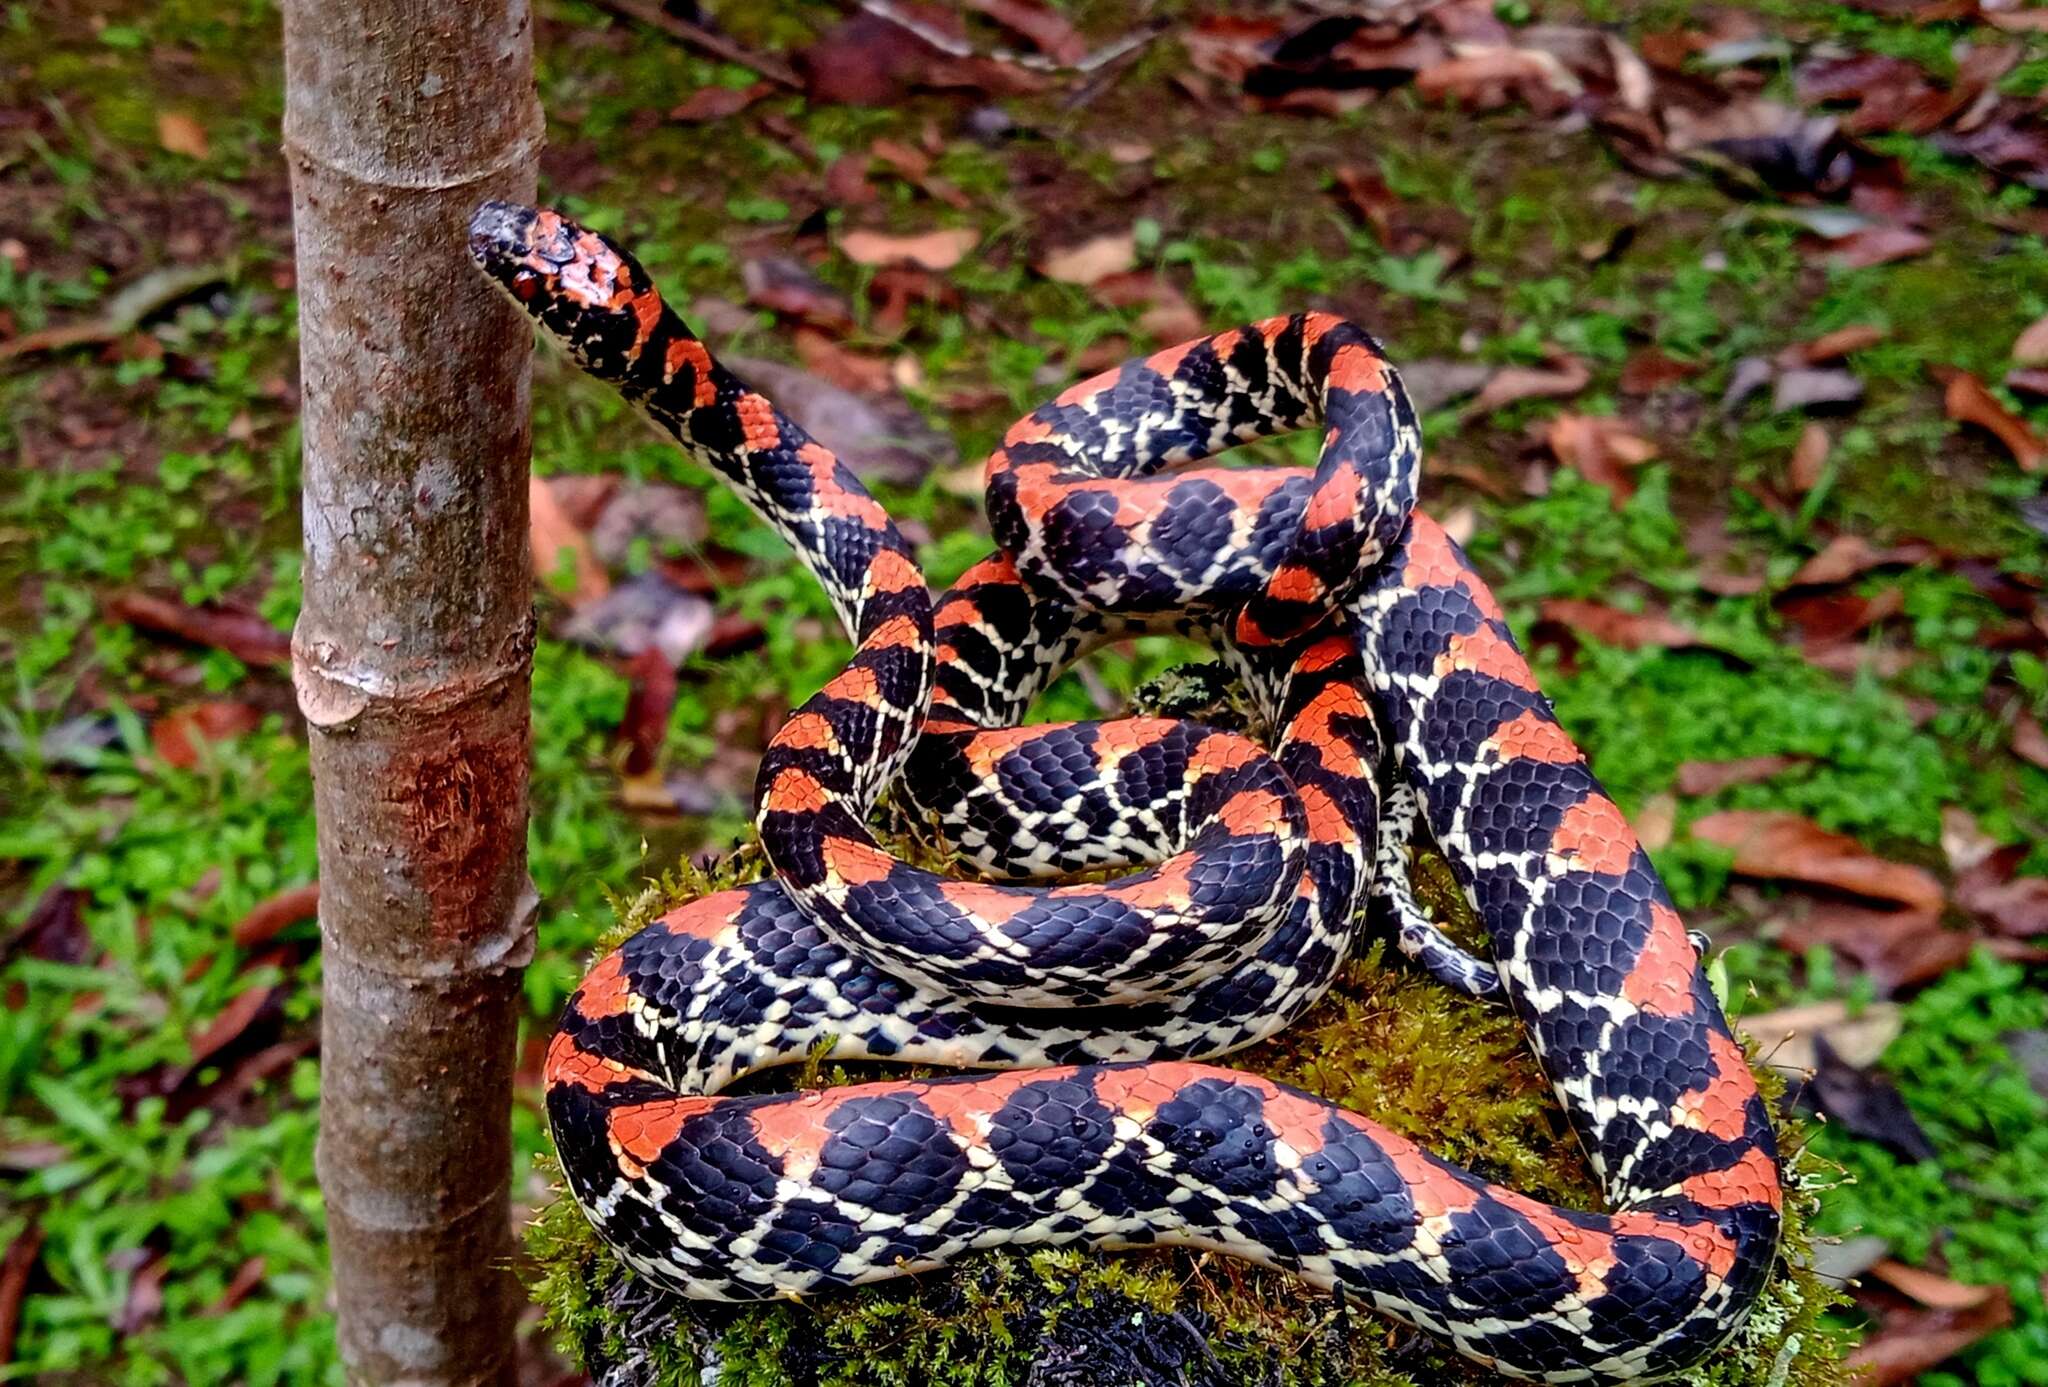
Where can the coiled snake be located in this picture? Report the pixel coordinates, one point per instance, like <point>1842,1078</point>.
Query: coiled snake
<point>1385,665</point>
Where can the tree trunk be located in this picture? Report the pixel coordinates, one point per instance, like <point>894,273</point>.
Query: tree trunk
<point>413,659</point>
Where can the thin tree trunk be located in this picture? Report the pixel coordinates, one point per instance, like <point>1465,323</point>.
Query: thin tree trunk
<point>413,659</point>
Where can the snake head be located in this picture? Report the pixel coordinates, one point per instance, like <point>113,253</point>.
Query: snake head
<point>584,291</point>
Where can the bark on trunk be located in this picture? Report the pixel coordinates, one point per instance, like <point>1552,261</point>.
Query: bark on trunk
<point>412,658</point>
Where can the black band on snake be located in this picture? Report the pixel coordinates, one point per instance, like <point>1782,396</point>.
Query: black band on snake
<point>1380,657</point>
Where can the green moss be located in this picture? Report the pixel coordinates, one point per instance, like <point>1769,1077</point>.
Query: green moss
<point>1450,1073</point>
<point>1453,1074</point>
<point>1982,1204</point>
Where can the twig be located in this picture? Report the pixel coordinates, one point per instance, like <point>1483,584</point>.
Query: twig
<point>123,312</point>
<point>1115,59</point>
<point>697,36</point>
<point>14,1273</point>
<point>262,924</point>
<point>244,635</point>
<point>1128,46</point>
<point>1035,62</point>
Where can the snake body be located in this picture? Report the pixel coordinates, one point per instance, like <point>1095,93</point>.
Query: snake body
<point>1396,692</point>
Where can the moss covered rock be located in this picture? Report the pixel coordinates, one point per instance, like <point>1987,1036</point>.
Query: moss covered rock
<point>1452,1073</point>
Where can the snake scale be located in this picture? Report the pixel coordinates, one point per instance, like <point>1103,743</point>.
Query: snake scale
<point>1398,699</point>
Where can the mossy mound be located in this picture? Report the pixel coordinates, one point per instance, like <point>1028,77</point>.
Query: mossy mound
<point>1449,1072</point>
<point>1453,1074</point>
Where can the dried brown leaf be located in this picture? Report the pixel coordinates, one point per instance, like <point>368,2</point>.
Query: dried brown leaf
<point>1833,346</point>
<point>1049,31</point>
<point>1760,140</point>
<point>783,284</point>
<point>2029,742</point>
<point>122,313</point>
<point>1849,556</point>
<point>15,1267</point>
<point>1672,49</point>
<point>270,917</point>
<point>145,1298</point>
<point>1613,626</point>
<point>718,103</point>
<point>1096,258</point>
<point>1599,448</point>
<point>908,160</point>
<point>1854,659</point>
<point>179,133</point>
<point>1897,948</point>
<point>246,1279</point>
<point>55,929</point>
<point>1787,1036</point>
<point>1366,194</point>
<point>872,60</point>
<point>1725,582</point>
<point>1864,1103</point>
<point>1168,315</point>
<point>232,1020</point>
<point>2011,141</point>
<point>1804,387</point>
<point>583,496</point>
<point>2014,906</point>
<point>1099,355</point>
<point>2013,21</point>
<point>1909,1341</point>
<point>666,518</point>
<point>1487,77</point>
<point>652,697</point>
<point>842,366</point>
<point>1891,94</point>
<point>1132,289</point>
<point>1230,46</point>
<point>1931,1289</point>
<point>2030,348</point>
<point>2028,380</point>
<point>1785,847</point>
<point>1963,840</point>
<point>1649,370</point>
<point>1966,400</point>
<point>1878,245</point>
<point>176,735</point>
<point>930,250</point>
<point>1712,777</point>
<point>1434,382</point>
<point>1655,821</point>
<point>244,1074</point>
<point>1562,378</point>
<point>1809,459</point>
<point>1832,618</point>
<point>243,634</point>
<point>846,181</point>
<point>550,533</point>
<point>732,633</point>
<point>1395,224</point>
<point>646,610</point>
<point>915,165</point>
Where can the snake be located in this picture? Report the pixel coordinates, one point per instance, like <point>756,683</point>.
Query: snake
<point>1143,895</point>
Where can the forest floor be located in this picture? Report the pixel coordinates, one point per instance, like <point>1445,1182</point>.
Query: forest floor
<point>1727,327</point>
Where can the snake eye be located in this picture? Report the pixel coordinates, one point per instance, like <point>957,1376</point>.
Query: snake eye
<point>525,284</point>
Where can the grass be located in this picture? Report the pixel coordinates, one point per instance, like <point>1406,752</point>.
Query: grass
<point>1984,1207</point>
<point>174,469</point>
